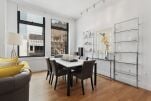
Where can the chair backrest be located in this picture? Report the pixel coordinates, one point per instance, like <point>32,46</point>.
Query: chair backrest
<point>79,57</point>
<point>54,66</point>
<point>49,68</point>
<point>87,69</point>
<point>87,58</point>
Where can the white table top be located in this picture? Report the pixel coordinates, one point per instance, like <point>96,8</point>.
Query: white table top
<point>67,63</point>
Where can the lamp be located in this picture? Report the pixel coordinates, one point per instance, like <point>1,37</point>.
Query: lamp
<point>14,39</point>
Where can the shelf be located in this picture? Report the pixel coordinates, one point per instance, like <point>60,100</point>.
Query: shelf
<point>88,37</point>
<point>126,52</point>
<point>128,28</point>
<point>126,31</point>
<point>57,42</point>
<point>126,41</point>
<point>103,59</point>
<point>88,45</point>
<point>127,21</point>
<point>126,63</point>
<point>126,73</point>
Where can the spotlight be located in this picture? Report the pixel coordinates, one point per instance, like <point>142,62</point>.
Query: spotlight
<point>94,5</point>
<point>103,1</point>
<point>87,10</point>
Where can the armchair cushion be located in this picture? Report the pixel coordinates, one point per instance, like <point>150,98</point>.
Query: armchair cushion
<point>25,63</point>
<point>10,70</point>
<point>8,61</point>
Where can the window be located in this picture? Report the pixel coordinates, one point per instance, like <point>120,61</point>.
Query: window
<point>32,29</point>
<point>59,37</point>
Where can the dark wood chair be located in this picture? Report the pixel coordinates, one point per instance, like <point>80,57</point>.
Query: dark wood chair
<point>49,70</point>
<point>79,57</point>
<point>87,58</point>
<point>58,71</point>
<point>79,68</point>
<point>85,73</point>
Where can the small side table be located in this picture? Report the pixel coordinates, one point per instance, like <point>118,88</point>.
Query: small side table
<point>110,65</point>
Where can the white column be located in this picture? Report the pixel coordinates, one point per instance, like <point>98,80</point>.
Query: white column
<point>2,27</point>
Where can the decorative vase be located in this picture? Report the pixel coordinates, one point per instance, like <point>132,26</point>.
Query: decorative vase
<point>106,52</point>
<point>106,55</point>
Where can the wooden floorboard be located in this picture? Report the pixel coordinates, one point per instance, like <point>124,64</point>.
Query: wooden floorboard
<point>106,90</point>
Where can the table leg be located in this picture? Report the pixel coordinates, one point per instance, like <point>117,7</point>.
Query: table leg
<point>95,74</point>
<point>110,69</point>
<point>71,80</point>
<point>68,82</point>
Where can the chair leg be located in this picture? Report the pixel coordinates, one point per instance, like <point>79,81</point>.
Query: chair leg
<point>71,81</point>
<point>82,87</point>
<point>47,75</point>
<point>52,78</point>
<point>92,83</point>
<point>56,82</point>
<point>65,78</point>
<point>76,80</point>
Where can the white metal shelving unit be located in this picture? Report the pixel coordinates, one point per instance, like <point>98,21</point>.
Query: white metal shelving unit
<point>126,36</point>
<point>89,44</point>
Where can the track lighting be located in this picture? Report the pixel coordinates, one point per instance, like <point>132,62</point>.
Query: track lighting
<point>87,10</point>
<point>93,6</point>
<point>103,1</point>
<point>81,13</point>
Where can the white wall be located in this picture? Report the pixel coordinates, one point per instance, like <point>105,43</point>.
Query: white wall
<point>146,34</point>
<point>115,11</point>
<point>38,63</point>
<point>2,27</point>
<point>106,16</point>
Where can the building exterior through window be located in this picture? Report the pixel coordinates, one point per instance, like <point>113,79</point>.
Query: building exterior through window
<point>32,29</point>
<point>59,37</point>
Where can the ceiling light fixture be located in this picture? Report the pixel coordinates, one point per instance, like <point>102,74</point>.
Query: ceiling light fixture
<point>87,10</point>
<point>17,2</point>
<point>93,6</point>
<point>103,1</point>
<point>81,13</point>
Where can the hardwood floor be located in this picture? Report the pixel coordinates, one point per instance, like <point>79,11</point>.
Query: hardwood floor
<point>106,90</point>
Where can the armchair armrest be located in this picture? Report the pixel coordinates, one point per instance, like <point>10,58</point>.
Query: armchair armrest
<point>9,84</point>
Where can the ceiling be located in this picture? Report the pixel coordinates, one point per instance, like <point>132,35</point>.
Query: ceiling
<point>68,8</point>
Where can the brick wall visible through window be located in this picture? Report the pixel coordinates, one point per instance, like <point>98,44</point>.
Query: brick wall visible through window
<point>59,37</point>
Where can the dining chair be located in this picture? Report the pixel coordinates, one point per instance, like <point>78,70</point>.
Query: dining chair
<point>57,71</point>
<point>87,58</point>
<point>79,57</point>
<point>49,70</point>
<point>85,73</point>
<point>79,68</point>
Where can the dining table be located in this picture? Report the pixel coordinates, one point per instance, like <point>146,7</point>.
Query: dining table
<point>68,65</point>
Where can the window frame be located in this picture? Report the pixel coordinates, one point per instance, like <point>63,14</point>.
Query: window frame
<point>19,21</point>
<point>62,29</point>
